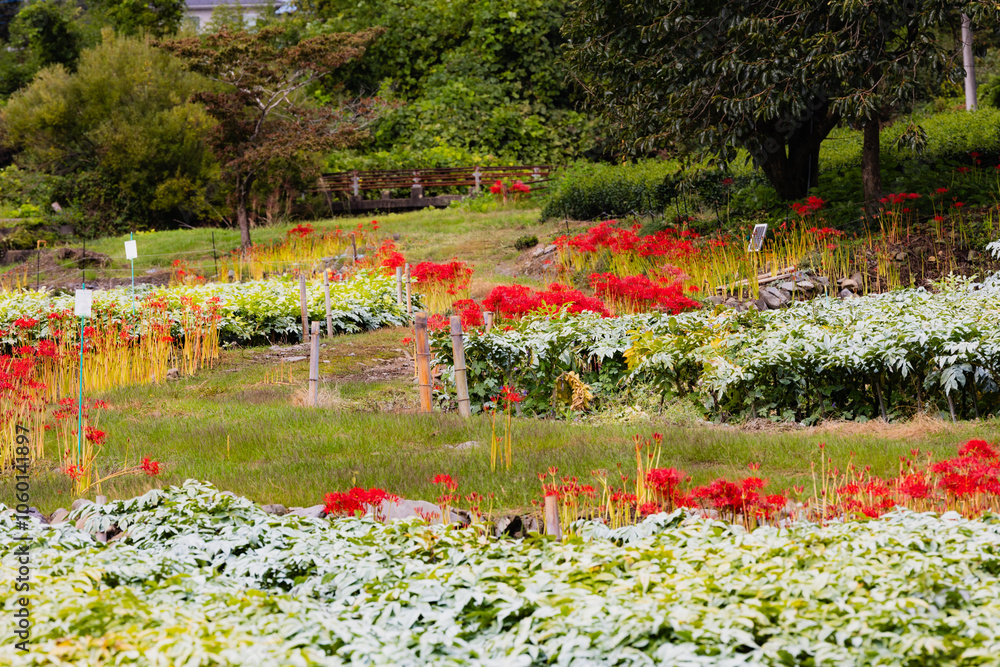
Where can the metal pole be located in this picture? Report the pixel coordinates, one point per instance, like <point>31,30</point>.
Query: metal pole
<point>132,262</point>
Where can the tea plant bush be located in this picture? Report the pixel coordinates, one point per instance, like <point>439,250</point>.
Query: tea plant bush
<point>205,578</point>
<point>884,355</point>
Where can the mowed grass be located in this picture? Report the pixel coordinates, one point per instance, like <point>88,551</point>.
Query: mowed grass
<point>485,240</point>
<point>245,431</point>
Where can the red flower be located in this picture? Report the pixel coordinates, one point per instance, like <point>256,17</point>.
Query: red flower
<point>510,395</point>
<point>151,468</point>
<point>497,187</point>
<point>94,436</point>
<point>445,480</point>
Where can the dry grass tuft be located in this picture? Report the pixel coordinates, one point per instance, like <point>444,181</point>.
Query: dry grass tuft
<point>920,426</point>
<point>326,398</point>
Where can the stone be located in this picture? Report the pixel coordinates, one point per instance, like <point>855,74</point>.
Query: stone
<point>822,281</point>
<point>787,286</point>
<point>80,522</point>
<point>275,509</point>
<point>760,304</point>
<point>59,516</point>
<point>717,300</point>
<point>33,513</point>
<point>315,512</point>
<point>407,509</point>
<point>509,526</point>
<point>731,302</point>
<point>973,255</point>
<point>848,284</point>
<point>101,500</point>
<point>292,360</point>
<point>773,302</point>
<point>468,444</point>
<point>118,536</point>
<point>786,296</point>
<point>932,258</point>
<point>846,294</point>
<point>173,374</point>
<point>101,537</point>
<point>806,285</point>
<point>900,256</point>
<point>80,502</point>
<point>857,278</point>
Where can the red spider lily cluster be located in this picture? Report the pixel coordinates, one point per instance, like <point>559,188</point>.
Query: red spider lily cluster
<point>968,483</point>
<point>181,274</point>
<point>741,499</point>
<point>811,205</point>
<point>610,237</point>
<point>388,257</point>
<point>357,501</point>
<point>899,198</point>
<point>442,283</point>
<point>301,231</point>
<point>637,294</point>
<point>151,468</point>
<point>824,233</point>
<point>515,301</point>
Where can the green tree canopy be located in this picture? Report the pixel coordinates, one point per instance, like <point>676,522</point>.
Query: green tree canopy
<point>262,122</point>
<point>772,77</point>
<point>123,126</point>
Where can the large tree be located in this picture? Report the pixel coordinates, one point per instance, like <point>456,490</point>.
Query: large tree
<point>772,77</point>
<point>262,118</point>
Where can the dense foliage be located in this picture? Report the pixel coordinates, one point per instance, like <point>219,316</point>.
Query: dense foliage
<point>204,577</point>
<point>118,138</point>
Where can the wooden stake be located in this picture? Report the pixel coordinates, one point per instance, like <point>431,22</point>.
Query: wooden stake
<point>488,319</point>
<point>423,361</point>
<point>326,295</point>
<point>461,382</point>
<point>552,526</point>
<point>409,297</point>
<point>314,366</point>
<point>304,307</point>
<point>399,285</point>
<point>354,247</point>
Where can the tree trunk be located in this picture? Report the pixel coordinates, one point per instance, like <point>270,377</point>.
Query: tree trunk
<point>244,222</point>
<point>789,152</point>
<point>871,172</point>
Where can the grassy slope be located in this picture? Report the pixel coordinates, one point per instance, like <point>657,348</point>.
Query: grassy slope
<point>368,433</point>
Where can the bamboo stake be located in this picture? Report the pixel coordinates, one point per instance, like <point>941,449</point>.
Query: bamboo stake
<point>305,309</point>
<point>552,526</point>
<point>314,366</point>
<point>461,382</point>
<point>423,361</point>
<point>488,320</point>
<point>409,297</point>
<point>326,295</point>
<point>399,286</point>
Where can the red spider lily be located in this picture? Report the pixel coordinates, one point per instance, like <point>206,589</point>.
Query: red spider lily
<point>93,435</point>
<point>497,187</point>
<point>811,205</point>
<point>445,480</point>
<point>25,322</point>
<point>510,395</point>
<point>639,293</point>
<point>301,231</point>
<point>356,500</point>
<point>151,468</point>
<point>470,312</point>
<point>74,471</point>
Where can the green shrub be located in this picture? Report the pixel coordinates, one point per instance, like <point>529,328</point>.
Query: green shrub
<point>588,191</point>
<point>525,242</point>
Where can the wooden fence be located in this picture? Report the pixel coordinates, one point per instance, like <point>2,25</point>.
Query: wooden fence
<point>351,184</point>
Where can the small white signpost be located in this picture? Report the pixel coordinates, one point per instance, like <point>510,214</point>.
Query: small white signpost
<point>130,254</point>
<point>757,238</point>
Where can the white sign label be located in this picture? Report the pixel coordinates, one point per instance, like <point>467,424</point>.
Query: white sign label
<point>130,251</point>
<point>84,303</point>
<point>757,238</point>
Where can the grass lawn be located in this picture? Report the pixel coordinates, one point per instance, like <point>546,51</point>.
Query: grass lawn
<point>241,428</point>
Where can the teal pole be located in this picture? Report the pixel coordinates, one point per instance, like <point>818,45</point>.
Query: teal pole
<point>132,261</point>
<point>79,404</point>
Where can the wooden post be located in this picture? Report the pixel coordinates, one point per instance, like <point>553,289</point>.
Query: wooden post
<point>488,319</point>
<point>305,308</point>
<point>552,526</point>
<point>423,361</point>
<point>409,298</point>
<point>461,382</point>
<point>326,295</point>
<point>399,286</point>
<point>314,366</point>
